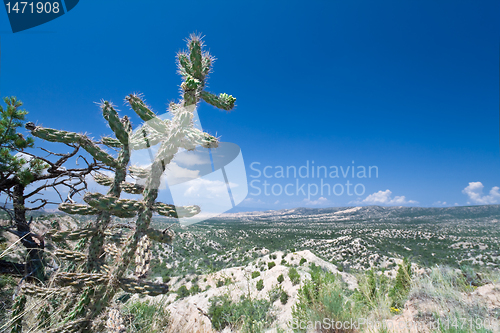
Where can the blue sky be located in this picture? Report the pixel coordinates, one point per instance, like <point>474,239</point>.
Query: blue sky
<point>410,87</point>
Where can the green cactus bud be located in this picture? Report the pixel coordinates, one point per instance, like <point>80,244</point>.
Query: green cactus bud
<point>191,83</point>
<point>223,101</point>
<point>73,208</point>
<point>110,114</point>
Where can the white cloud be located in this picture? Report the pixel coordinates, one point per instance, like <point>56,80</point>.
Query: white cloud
<point>208,189</point>
<point>440,203</point>
<point>475,193</point>
<point>191,158</point>
<point>384,198</point>
<point>320,201</point>
<point>176,174</point>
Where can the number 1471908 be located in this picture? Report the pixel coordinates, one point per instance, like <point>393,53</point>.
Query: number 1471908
<point>32,7</point>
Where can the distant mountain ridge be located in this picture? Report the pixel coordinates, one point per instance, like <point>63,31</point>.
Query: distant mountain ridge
<point>368,212</point>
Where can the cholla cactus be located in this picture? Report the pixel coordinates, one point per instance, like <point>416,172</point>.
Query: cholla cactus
<point>95,284</point>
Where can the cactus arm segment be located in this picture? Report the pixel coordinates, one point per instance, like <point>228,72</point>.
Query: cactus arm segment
<point>223,101</point>
<point>148,288</point>
<point>41,292</point>
<point>110,142</point>
<point>56,235</point>
<point>138,171</point>
<point>110,114</point>
<point>146,114</point>
<point>195,44</point>
<point>103,180</point>
<point>183,64</point>
<point>73,208</point>
<point>113,205</point>
<point>145,137</point>
<point>80,280</point>
<point>142,257</point>
<point>195,137</point>
<point>53,135</point>
<point>70,255</point>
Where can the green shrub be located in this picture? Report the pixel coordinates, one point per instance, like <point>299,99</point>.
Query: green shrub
<point>280,278</point>
<point>302,261</point>
<point>7,287</point>
<point>373,290</point>
<point>194,289</point>
<point>284,298</point>
<point>294,276</point>
<point>273,256</point>
<point>472,279</point>
<point>260,285</point>
<point>324,296</point>
<point>249,315</point>
<point>402,284</point>
<point>274,294</point>
<point>166,278</point>
<point>220,283</point>
<point>146,317</point>
<point>283,262</point>
<point>182,292</point>
<point>255,274</point>
<point>271,264</point>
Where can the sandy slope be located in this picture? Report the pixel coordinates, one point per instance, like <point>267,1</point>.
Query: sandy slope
<point>190,313</point>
